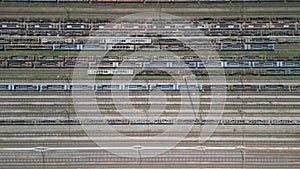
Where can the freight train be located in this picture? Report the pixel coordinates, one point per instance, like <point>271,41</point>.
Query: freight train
<point>141,62</point>
<point>160,121</point>
<point>131,47</point>
<point>99,87</point>
<point>149,87</point>
<point>134,44</point>
<point>196,27</point>
<point>222,47</point>
<point>206,64</point>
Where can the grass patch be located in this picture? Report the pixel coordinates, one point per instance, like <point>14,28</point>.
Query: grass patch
<point>38,53</point>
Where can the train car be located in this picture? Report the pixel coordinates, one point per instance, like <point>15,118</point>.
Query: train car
<point>48,64</point>
<point>94,47</point>
<point>108,87</point>
<point>121,47</point>
<point>283,25</point>
<point>49,58</point>
<point>274,88</point>
<point>27,47</point>
<point>275,71</point>
<point>54,87</point>
<point>210,64</point>
<point>260,46</point>
<point>192,87</point>
<point>128,41</point>
<point>244,88</point>
<point>245,46</point>
<point>262,64</point>
<point>256,25</point>
<point>11,26</point>
<point>19,64</point>
<point>293,72</point>
<point>136,87</point>
<point>236,64</point>
<point>81,87</point>
<point>72,64</point>
<point>25,87</point>
<point>225,26</point>
<point>229,46</point>
<point>175,65</point>
<point>100,64</point>
<point>5,87</point>
<point>287,64</point>
<point>155,64</point>
<point>131,65</point>
<point>41,26</point>
<point>67,47</point>
<point>75,26</point>
<point>110,72</point>
<point>164,87</point>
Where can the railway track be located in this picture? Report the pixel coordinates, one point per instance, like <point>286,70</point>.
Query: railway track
<point>164,7</point>
<point>229,79</point>
<point>290,13</point>
<point>151,133</point>
<point>177,100</point>
<point>168,106</point>
<point>259,128</point>
<point>170,166</point>
<point>145,93</point>
<point>90,143</point>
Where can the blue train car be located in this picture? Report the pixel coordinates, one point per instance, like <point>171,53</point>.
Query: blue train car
<point>5,87</point>
<point>293,72</point>
<point>291,64</point>
<point>25,87</point>
<point>200,65</point>
<point>247,46</point>
<point>164,87</point>
<point>108,87</point>
<point>247,64</point>
<point>81,87</point>
<point>136,87</point>
<point>56,87</point>
<point>260,46</point>
<point>67,46</point>
<point>262,64</point>
<point>192,64</point>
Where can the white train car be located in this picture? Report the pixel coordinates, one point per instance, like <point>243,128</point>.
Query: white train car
<point>109,72</point>
<point>128,41</point>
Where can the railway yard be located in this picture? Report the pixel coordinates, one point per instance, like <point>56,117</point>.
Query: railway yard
<point>150,84</point>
